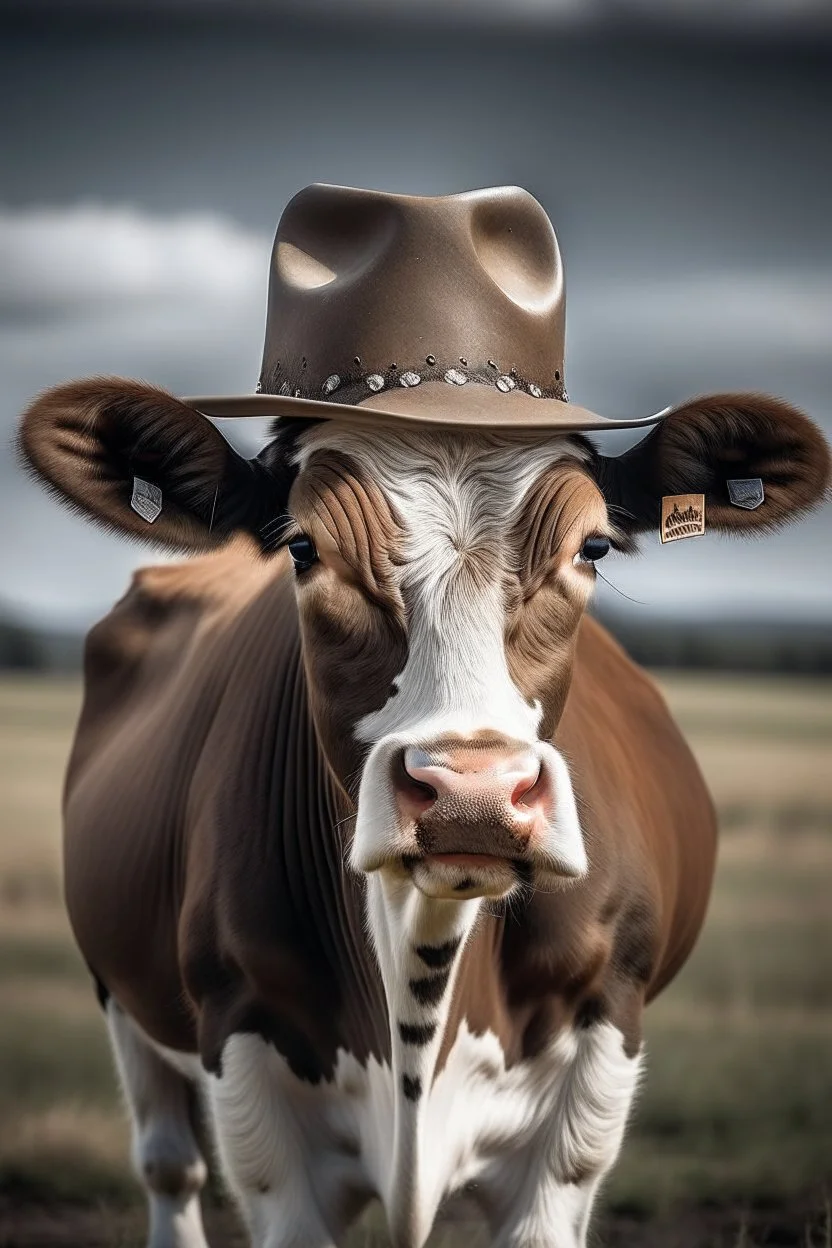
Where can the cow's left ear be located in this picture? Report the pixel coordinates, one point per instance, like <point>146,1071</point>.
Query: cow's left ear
<point>137,460</point>
<point>701,447</point>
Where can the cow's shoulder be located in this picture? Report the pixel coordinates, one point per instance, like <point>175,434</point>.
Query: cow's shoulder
<point>213,586</point>
<point>226,578</point>
<point>166,628</point>
<point>164,598</point>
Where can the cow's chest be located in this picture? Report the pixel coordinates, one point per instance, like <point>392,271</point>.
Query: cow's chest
<point>479,1129</point>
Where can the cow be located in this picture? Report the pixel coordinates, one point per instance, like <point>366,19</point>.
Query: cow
<point>376,843</point>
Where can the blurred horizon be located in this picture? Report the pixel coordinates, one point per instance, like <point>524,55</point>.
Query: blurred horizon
<point>680,155</point>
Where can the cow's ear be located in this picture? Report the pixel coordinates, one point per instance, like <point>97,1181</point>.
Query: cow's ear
<point>140,462</point>
<point>699,448</point>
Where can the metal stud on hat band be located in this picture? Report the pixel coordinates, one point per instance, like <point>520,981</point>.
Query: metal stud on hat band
<point>455,378</point>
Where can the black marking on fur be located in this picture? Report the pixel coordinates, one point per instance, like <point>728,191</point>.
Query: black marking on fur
<point>463,885</point>
<point>634,951</point>
<point>429,990</point>
<point>589,1013</point>
<point>102,992</point>
<point>436,956</point>
<point>417,1033</point>
<point>412,1087</point>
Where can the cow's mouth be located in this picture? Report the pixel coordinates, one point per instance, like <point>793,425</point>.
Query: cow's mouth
<point>460,876</point>
<point>465,860</point>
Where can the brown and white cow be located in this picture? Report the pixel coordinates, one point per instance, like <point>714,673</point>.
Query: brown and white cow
<point>386,853</point>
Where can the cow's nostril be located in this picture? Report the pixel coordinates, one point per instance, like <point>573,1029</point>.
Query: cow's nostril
<point>412,787</point>
<point>531,784</point>
<point>527,788</point>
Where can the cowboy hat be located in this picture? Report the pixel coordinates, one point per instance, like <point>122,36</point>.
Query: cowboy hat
<point>447,310</point>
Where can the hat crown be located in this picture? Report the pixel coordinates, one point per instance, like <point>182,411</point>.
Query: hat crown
<point>367,284</point>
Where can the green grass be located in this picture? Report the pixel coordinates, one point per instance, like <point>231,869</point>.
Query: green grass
<point>736,1109</point>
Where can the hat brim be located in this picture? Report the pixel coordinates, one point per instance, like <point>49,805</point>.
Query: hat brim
<point>432,403</point>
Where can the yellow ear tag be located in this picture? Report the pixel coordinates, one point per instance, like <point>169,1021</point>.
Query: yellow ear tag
<point>683,515</point>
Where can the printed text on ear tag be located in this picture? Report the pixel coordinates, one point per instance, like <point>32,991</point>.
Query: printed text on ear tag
<point>146,500</point>
<point>683,515</point>
<point>746,492</point>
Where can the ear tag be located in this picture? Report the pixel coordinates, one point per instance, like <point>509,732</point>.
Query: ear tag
<point>683,515</point>
<point>146,500</point>
<point>746,492</point>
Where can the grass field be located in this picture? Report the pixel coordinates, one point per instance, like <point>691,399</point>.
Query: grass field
<point>732,1141</point>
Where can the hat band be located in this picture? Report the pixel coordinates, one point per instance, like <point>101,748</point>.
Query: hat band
<point>352,387</point>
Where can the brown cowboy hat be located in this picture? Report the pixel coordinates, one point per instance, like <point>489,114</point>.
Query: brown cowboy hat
<point>446,310</point>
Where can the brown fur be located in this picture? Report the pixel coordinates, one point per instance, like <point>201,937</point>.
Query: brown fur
<point>353,618</point>
<point>562,510</point>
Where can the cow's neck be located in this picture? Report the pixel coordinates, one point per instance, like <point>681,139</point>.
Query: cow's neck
<point>419,942</point>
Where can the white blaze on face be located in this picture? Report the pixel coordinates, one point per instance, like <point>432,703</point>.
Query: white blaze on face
<point>456,678</point>
<point>458,496</point>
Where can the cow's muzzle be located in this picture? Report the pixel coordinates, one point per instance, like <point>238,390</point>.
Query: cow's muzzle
<point>470,799</point>
<point>468,816</point>
<point>478,810</point>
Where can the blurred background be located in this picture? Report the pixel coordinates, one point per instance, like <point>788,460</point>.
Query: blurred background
<point>681,148</point>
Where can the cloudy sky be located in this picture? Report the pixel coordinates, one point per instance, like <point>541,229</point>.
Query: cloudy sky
<point>688,179</point>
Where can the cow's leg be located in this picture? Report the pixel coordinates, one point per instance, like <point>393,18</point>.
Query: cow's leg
<point>259,1131</point>
<point>550,1193</point>
<point>552,1218</point>
<point>165,1151</point>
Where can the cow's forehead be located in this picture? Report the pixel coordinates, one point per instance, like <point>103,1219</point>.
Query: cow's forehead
<point>465,485</point>
<point>394,448</point>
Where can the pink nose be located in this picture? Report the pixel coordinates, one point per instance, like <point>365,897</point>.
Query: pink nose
<point>471,782</point>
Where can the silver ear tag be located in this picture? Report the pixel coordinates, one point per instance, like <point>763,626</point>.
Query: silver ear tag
<point>146,500</point>
<point>746,492</point>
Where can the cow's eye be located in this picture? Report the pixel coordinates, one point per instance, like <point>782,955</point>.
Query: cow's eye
<point>595,548</point>
<point>303,552</point>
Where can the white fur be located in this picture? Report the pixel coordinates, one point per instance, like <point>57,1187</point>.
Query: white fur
<point>402,920</point>
<point>509,1139</point>
<point>165,1153</point>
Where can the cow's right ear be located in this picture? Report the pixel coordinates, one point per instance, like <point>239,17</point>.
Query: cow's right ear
<point>142,463</point>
